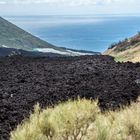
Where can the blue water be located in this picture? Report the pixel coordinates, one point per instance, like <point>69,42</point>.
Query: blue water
<point>95,33</point>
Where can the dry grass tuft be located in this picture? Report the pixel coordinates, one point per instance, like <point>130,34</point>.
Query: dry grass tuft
<point>80,120</point>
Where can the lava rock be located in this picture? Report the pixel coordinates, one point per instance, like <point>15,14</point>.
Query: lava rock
<point>25,81</point>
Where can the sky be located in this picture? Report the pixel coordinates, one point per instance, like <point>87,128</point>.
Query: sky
<point>68,7</point>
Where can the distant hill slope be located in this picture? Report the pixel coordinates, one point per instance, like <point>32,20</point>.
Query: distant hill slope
<point>12,37</point>
<point>126,50</point>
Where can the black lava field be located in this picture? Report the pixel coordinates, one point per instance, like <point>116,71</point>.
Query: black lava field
<point>49,81</point>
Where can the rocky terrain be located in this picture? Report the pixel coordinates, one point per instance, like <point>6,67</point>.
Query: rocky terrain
<point>49,81</point>
<point>126,50</point>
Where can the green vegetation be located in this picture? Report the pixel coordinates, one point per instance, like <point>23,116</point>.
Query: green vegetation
<point>80,120</point>
<point>12,36</point>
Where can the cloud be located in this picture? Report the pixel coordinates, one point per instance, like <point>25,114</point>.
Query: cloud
<point>3,2</point>
<point>70,2</point>
<point>70,7</point>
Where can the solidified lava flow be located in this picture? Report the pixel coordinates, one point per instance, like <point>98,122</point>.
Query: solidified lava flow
<point>26,81</point>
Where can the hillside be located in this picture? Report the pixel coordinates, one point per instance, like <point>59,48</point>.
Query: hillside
<point>13,37</point>
<point>126,50</point>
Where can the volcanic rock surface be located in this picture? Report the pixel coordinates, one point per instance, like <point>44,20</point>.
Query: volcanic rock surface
<point>48,81</point>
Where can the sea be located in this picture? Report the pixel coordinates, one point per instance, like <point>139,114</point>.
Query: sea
<point>82,32</point>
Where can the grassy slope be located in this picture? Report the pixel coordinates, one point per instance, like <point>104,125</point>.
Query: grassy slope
<point>12,36</point>
<point>128,50</point>
<point>80,120</point>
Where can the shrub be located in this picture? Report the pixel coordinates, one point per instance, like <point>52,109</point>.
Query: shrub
<point>80,120</point>
<point>70,120</point>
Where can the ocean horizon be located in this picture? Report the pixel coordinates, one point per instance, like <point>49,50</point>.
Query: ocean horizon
<point>88,32</point>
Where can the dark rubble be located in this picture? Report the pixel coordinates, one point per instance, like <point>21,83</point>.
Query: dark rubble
<point>49,81</point>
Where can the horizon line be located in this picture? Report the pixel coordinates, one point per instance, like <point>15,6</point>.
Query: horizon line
<point>117,14</point>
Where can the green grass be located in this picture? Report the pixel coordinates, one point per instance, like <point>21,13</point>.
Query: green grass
<point>129,56</point>
<point>80,120</point>
<point>124,58</point>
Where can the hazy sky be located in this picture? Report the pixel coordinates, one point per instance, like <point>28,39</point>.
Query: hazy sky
<point>64,7</point>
